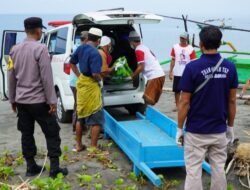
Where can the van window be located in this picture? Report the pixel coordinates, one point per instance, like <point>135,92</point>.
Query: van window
<point>58,41</point>
<point>10,40</point>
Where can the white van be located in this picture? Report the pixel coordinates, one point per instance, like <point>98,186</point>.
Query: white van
<point>60,41</point>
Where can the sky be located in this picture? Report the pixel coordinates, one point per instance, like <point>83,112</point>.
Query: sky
<point>194,8</point>
<point>12,17</point>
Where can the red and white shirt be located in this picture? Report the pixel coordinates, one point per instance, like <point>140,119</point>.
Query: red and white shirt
<point>152,68</point>
<point>182,56</point>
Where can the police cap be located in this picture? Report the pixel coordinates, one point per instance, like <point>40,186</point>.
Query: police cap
<point>33,22</point>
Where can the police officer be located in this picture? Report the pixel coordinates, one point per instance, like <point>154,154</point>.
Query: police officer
<point>32,94</point>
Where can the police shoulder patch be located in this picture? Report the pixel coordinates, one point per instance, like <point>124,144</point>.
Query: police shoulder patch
<point>10,64</point>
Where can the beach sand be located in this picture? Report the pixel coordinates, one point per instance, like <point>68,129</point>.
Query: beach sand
<point>10,140</point>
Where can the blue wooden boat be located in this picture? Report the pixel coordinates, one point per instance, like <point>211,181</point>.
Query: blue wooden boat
<point>148,141</point>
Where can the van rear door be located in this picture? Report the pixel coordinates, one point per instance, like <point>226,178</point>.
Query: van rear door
<point>10,38</point>
<point>118,17</point>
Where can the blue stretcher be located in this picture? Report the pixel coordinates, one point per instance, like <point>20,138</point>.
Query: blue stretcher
<point>148,141</point>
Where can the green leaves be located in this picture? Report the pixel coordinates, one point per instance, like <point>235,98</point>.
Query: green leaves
<point>98,186</point>
<point>6,172</point>
<point>133,177</point>
<point>85,179</point>
<point>51,184</point>
<point>5,187</point>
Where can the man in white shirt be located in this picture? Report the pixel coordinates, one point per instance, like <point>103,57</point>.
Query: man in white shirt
<point>150,67</point>
<point>181,54</point>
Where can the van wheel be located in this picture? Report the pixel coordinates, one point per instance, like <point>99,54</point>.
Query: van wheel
<point>133,108</point>
<point>62,115</point>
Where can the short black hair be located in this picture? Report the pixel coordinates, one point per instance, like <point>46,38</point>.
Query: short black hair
<point>93,38</point>
<point>211,36</point>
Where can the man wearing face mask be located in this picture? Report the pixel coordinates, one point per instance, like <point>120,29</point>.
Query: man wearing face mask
<point>150,67</point>
<point>104,50</point>
<point>32,94</point>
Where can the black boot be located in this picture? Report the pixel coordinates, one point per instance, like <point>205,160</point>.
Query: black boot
<point>32,168</point>
<point>55,169</point>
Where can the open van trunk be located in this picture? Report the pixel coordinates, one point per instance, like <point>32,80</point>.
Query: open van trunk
<point>117,24</point>
<point>121,47</point>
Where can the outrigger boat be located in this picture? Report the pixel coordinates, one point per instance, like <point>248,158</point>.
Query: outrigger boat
<point>221,23</point>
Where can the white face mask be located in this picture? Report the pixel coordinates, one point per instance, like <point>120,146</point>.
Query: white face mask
<point>132,46</point>
<point>110,49</point>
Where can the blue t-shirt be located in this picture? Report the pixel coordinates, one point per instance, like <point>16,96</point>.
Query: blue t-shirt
<point>89,59</point>
<point>208,111</point>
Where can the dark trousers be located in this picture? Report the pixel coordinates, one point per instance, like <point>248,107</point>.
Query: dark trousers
<point>27,115</point>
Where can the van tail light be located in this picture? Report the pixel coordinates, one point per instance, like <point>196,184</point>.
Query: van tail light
<point>66,68</point>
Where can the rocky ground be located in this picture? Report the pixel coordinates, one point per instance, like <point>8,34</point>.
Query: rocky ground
<point>111,168</point>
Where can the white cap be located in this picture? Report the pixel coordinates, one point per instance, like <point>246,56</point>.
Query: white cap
<point>95,31</point>
<point>184,35</point>
<point>105,40</point>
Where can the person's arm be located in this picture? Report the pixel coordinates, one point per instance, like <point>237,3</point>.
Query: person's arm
<point>11,83</point>
<point>47,79</point>
<point>140,63</point>
<point>231,115</point>
<point>183,108</point>
<point>231,107</point>
<point>139,69</point>
<point>95,62</point>
<point>74,60</point>
<point>245,87</point>
<point>172,64</point>
<point>186,86</point>
<point>74,69</point>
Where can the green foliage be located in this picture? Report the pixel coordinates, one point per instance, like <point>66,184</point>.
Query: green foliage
<point>64,157</point>
<point>97,176</point>
<point>85,180</point>
<point>19,159</point>
<point>98,186</point>
<point>165,185</point>
<point>115,155</point>
<point>118,183</point>
<point>84,167</point>
<point>47,167</point>
<point>6,172</point>
<point>141,179</point>
<point>131,187</point>
<point>230,186</point>
<point>133,177</point>
<point>65,148</point>
<point>51,184</point>
<point>5,187</point>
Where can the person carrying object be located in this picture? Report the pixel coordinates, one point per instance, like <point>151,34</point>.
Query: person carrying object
<point>150,67</point>
<point>32,95</point>
<point>89,84</point>
<point>105,49</point>
<point>182,53</point>
<point>208,104</point>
